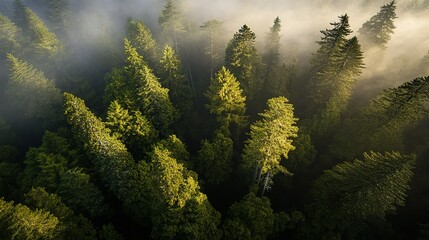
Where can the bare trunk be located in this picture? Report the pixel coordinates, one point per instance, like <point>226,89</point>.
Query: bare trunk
<point>267,178</point>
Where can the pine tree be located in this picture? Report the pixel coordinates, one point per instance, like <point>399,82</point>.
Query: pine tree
<point>271,140</point>
<point>226,100</point>
<point>376,32</point>
<point>30,91</point>
<point>20,222</point>
<point>141,38</point>
<point>354,191</point>
<point>242,60</point>
<point>173,78</point>
<point>10,35</point>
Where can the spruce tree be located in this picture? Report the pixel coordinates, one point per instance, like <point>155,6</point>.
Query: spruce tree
<point>171,24</point>
<point>57,13</point>
<point>377,31</point>
<point>242,60</point>
<point>226,99</point>
<point>213,29</point>
<point>10,35</point>
<point>352,192</point>
<point>270,140</point>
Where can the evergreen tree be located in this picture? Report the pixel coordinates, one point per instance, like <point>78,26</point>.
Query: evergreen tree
<point>271,140</point>
<point>354,191</point>
<point>141,38</point>
<point>20,222</point>
<point>376,32</point>
<point>19,15</point>
<point>251,218</point>
<point>80,194</point>
<point>10,35</point>
<point>172,77</point>
<point>70,226</point>
<point>213,29</point>
<point>153,99</point>
<point>171,23</point>
<point>214,159</point>
<point>30,91</point>
<point>57,13</point>
<point>381,125</point>
<point>226,100</point>
<point>177,149</point>
<point>242,60</point>
<point>180,209</point>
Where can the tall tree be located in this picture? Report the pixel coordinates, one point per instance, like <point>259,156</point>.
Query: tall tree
<point>381,125</point>
<point>10,35</point>
<point>31,92</point>
<point>57,13</point>
<point>141,38</point>
<point>171,23</point>
<point>20,222</point>
<point>271,140</point>
<point>226,100</point>
<point>354,191</point>
<point>173,78</point>
<point>376,31</point>
<point>242,60</point>
<point>213,29</point>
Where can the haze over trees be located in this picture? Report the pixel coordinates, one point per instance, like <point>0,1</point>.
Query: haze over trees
<point>158,121</point>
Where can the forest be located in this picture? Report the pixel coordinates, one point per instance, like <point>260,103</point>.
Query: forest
<point>241,119</point>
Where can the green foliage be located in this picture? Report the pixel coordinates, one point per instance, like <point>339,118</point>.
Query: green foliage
<point>270,140</point>
<point>10,35</point>
<point>380,126</point>
<point>213,29</point>
<point>30,91</point>
<point>70,226</point>
<point>303,155</point>
<point>354,191</point>
<point>80,194</point>
<point>173,78</point>
<point>20,222</point>
<point>57,13</point>
<point>242,60</point>
<point>112,161</point>
<point>226,100</point>
<point>376,31</point>
<point>251,218</point>
<point>214,159</point>
<point>108,232</point>
<point>141,38</point>
<point>181,210</point>
<point>132,128</point>
<point>177,149</point>
<point>46,164</point>
<point>171,23</point>
<point>336,65</point>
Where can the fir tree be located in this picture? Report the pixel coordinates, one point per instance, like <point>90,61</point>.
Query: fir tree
<point>213,29</point>
<point>57,13</point>
<point>171,23</point>
<point>376,32</point>
<point>270,141</point>
<point>10,35</point>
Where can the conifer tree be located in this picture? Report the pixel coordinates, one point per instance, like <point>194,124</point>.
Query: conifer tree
<point>213,29</point>
<point>171,24</point>
<point>57,11</point>
<point>354,191</point>
<point>380,126</point>
<point>180,207</point>
<point>20,222</point>
<point>10,35</point>
<point>141,38</point>
<point>80,194</point>
<point>30,91</point>
<point>270,141</point>
<point>214,159</point>
<point>242,60</point>
<point>271,59</point>
<point>376,32</point>
<point>19,15</point>
<point>173,78</point>
<point>226,100</point>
